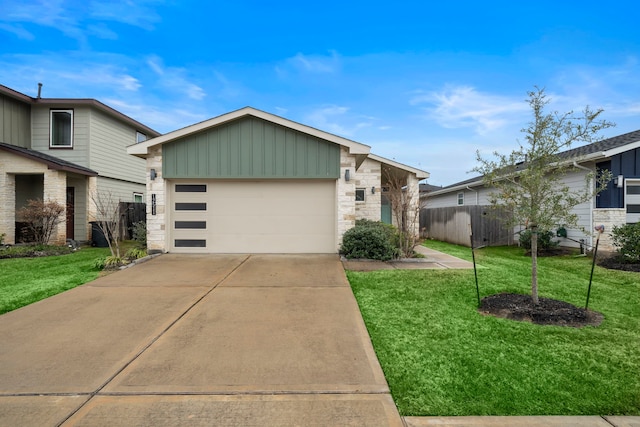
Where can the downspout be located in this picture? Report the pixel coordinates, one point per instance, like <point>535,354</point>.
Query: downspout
<point>475,191</point>
<point>592,207</point>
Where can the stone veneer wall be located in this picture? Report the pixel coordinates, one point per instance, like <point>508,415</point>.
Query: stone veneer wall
<point>156,223</point>
<point>609,218</point>
<point>55,188</point>
<point>346,193</point>
<point>368,176</point>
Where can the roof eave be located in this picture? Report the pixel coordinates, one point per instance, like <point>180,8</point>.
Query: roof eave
<point>142,149</point>
<point>420,174</point>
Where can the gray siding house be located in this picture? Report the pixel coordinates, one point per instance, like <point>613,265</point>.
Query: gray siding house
<point>618,204</point>
<point>65,150</point>
<point>252,182</point>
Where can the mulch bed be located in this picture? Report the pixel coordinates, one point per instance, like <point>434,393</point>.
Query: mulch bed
<point>547,312</point>
<point>614,263</point>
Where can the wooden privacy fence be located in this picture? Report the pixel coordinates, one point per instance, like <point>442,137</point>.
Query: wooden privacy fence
<point>451,224</point>
<point>130,213</point>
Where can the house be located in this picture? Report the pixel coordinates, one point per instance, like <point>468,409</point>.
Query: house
<point>618,204</point>
<point>65,150</point>
<point>252,182</point>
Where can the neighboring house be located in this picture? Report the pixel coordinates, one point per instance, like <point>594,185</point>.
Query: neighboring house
<point>618,204</point>
<point>65,150</point>
<point>252,182</point>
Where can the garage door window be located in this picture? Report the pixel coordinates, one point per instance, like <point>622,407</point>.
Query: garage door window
<point>190,243</point>
<point>191,225</point>
<point>191,188</point>
<point>191,206</point>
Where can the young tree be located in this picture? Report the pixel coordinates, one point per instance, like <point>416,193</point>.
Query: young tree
<point>405,205</point>
<point>42,218</point>
<point>108,219</point>
<point>528,182</point>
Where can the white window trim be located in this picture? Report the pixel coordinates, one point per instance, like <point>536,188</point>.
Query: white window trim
<point>138,139</point>
<point>460,199</point>
<point>70,111</point>
<point>141,195</point>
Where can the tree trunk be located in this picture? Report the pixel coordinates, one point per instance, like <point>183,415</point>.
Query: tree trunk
<point>534,265</point>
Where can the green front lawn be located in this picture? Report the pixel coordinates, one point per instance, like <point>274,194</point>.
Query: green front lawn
<point>441,357</point>
<point>26,280</point>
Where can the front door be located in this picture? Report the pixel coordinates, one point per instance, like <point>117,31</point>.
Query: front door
<point>71,197</point>
<point>385,213</point>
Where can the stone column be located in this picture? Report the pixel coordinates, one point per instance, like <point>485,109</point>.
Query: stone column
<point>346,194</point>
<point>7,206</point>
<point>156,232</point>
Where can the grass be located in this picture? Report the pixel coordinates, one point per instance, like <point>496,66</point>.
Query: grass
<point>441,357</point>
<point>26,280</point>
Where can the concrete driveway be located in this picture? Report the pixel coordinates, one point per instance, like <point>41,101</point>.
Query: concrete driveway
<point>196,340</point>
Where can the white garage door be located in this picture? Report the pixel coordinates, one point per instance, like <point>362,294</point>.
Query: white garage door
<point>252,217</point>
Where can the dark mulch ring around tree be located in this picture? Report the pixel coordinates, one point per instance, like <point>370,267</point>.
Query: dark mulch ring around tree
<point>547,312</point>
<point>616,263</point>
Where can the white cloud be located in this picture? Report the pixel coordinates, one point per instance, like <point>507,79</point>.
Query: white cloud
<point>18,30</point>
<point>463,106</point>
<point>311,64</point>
<point>174,79</point>
<point>337,120</point>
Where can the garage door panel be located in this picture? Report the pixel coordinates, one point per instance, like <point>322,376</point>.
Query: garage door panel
<point>257,217</point>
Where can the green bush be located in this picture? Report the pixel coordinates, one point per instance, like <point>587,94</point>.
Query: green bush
<point>627,238</point>
<point>545,240</point>
<point>139,232</point>
<point>135,253</point>
<point>371,240</point>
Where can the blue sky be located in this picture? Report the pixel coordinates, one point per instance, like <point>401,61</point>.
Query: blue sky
<point>425,83</point>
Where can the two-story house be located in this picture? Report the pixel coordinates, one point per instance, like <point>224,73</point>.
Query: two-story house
<point>65,150</point>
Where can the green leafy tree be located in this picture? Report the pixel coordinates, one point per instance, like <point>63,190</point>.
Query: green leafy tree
<point>529,181</point>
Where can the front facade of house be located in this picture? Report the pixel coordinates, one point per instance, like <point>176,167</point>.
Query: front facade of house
<point>65,150</point>
<point>618,204</point>
<point>252,182</point>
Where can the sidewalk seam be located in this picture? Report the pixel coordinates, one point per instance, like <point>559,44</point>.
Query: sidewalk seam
<point>150,343</point>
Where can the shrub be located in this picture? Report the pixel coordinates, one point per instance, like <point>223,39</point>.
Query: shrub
<point>627,238</point>
<point>139,232</point>
<point>370,240</point>
<point>42,218</point>
<point>545,240</point>
<point>135,253</point>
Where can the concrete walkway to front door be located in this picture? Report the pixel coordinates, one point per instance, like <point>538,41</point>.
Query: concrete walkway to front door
<point>196,340</point>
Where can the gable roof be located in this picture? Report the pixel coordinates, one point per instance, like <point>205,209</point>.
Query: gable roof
<point>4,90</point>
<point>420,174</point>
<point>142,149</point>
<point>603,149</point>
<point>52,162</point>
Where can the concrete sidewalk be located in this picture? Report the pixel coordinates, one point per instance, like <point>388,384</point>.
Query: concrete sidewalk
<point>196,340</point>
<point>433,260</point>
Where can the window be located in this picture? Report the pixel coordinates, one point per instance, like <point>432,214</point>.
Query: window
<point>61,128</point>
<point>191,188</point>
<point>460,199</point>
<point>138,198</point>
<point>140,137</point>
<point>359,194</point>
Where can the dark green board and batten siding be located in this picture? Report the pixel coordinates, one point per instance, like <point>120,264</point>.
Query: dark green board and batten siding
<point>251,148</point>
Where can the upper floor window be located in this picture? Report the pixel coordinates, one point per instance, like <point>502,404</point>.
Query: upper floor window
<point>61,129</point>
<point>140,137</point>
<point>460,199</point>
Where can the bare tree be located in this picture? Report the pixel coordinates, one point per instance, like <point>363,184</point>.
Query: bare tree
<point>108,219</point>
<point>405,207</point>
<point>529,181</point>
<point>42,218</point>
